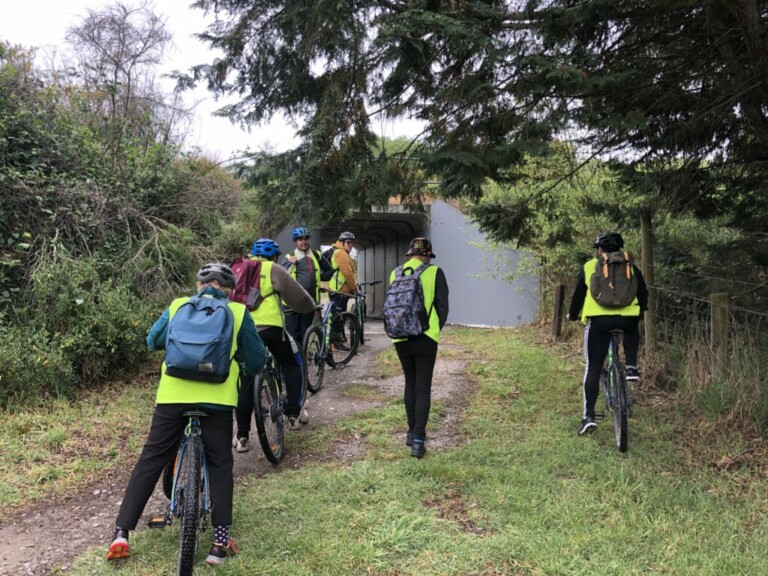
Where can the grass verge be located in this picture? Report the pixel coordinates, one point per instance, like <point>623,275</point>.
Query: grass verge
<point>523,495</point>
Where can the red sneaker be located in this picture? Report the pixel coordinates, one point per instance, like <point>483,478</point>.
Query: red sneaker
<point>119,548</point>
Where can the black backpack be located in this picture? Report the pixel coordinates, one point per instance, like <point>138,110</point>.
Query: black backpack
<point>326,275</point>
<point>613,283</point>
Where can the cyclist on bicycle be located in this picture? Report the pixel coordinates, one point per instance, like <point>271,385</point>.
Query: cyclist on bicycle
<point>174,397</point>
<point>599,322</point>
<point>344,279</point>
<point>304,265</point>
<point>275,285</point>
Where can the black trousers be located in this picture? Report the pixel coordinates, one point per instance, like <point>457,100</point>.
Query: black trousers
<point>275,339</point>
<point>417,357</point>
<point>597,337</point>
<point>165,434</point>
<point>297,324</point>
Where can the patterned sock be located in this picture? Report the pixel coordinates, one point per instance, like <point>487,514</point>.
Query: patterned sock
<point>221,534</point>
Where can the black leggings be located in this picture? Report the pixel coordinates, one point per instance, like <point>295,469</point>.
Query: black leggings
<point>164,435</point>
<point>417,357</point>
<point>597,337</point>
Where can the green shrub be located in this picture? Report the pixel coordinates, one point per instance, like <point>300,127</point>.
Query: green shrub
<point>98,323</point>
<point>32,367</point>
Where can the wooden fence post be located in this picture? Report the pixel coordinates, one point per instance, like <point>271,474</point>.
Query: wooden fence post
<point>646,233</point>
<point>557,316</point>
<point>719,318</point>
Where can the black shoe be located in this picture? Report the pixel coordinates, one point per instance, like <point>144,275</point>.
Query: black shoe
<point>418,449</point>
<point>219,552</point>
<point>409,438</point>
<point>632,373</point>
<point>587,425</point>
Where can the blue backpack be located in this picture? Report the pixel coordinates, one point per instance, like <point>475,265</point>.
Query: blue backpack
<point>404,312</point>
<point>199,341</point>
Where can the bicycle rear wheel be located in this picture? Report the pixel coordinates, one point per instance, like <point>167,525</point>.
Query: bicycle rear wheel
<point>314,363</point>
<point>618,387</point>
<point>270,422</point>
<point>190,506</point>
<point>345,339</point>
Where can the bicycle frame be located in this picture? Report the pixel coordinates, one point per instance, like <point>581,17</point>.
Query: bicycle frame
<point>616,390</point>
<point>326,322</point>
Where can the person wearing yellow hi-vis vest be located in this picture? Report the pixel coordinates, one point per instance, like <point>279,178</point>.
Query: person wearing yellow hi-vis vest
<point>418,354</point>
<point>304,265</point>
<point>599,321</point>
<point>176,395</point>
<point>275,286</point>
<point>343,283</point>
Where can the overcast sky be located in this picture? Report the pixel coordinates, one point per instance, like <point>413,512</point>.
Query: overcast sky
<point>43,23</point>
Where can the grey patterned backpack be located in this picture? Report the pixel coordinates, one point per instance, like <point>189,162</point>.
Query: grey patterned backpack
<point>404,312</point>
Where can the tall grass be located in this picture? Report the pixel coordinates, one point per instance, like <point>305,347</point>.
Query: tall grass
<point>683,362</point>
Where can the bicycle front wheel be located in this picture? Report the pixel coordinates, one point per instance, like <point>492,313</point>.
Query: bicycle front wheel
<point>314,363</point>
<point>190,506</point>
<point>346,340</point>
<point>270,422</point>
<point>618,386</point>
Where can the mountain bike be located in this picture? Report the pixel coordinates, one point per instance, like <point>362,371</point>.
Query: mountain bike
<point>269,402</point>
<point>187,487</point>
<point>616,390</point>
<point>322,347</point>
<point>361,307</point>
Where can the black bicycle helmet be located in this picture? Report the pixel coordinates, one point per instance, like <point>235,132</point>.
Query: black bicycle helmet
<point>221,273</point>
<point>346,236</point>
<point>609,241</point>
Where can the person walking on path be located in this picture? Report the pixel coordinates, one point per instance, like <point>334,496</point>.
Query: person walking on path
<point>277,287</point>
<point>418,354</point>
<point>305,266</point>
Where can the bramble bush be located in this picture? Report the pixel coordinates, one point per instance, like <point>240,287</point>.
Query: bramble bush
<point>33,367</point>
<point>99,324</point>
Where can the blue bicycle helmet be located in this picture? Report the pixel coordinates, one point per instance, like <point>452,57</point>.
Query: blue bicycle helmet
<point>300,232</point>
<point>265,247</point>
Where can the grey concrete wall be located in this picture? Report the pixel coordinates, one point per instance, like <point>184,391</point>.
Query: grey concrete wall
<point>479,295</point>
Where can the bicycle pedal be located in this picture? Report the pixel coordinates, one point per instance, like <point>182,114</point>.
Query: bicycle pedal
<point>158,522</point>
<point>599,415</point>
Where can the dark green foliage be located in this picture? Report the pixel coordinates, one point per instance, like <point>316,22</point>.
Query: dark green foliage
<point>99,325</point>
<point>674,91</point>
<point>32,367</point>
<point>95,237</point>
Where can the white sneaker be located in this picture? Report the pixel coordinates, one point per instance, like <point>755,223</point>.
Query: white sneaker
<point>304,416</point>
<point>241,444</point>
<point>294,423</point>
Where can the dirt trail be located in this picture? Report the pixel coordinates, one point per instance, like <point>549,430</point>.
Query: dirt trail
<point>85,518</point>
